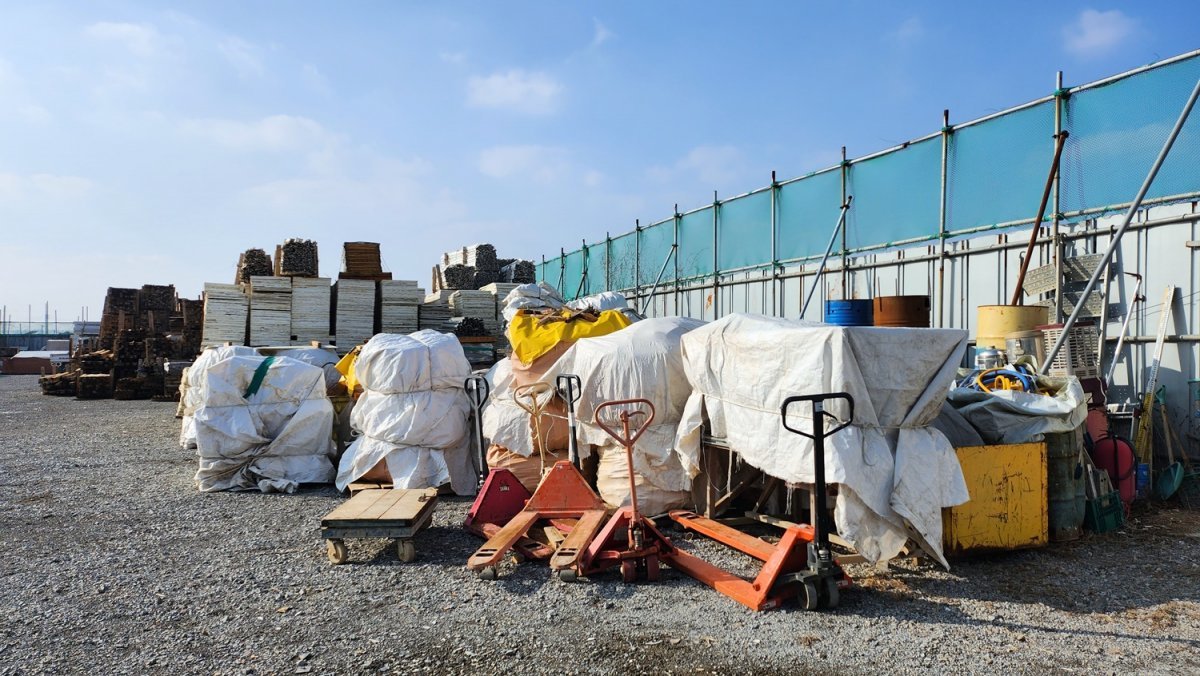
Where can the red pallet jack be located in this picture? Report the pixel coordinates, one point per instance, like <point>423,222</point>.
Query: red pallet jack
<point>801,564</point>
<point>563,495</point>
<point>501,495</point>
<point>640,553</point>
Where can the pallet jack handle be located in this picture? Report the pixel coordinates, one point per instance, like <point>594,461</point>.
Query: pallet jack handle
<point>627,439</point>
<point>820,542</point>
<point>570,388</point>
<point>477,389</point>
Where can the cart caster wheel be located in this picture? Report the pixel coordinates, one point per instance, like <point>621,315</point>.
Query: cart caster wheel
<point>336,551</point>
<point>568,575</point>
<point>628,571</point>
<point>811,597</point>
<point>652,569</point>
<point>832,597</point>
<point>406,550</point>
<point>486,573</point>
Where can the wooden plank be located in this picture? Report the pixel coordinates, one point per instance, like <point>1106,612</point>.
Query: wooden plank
<point>381,506</point>
<point>351,508</point>
<point>409,506</point>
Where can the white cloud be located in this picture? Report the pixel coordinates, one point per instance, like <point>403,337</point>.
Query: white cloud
<point>541,163</point>
<point>908,32</point>
<point>141,39</point>
<point>1095,33</point>
<point>600,33</point>
<point>243,56</point>
<point>714,166</point>
<point>515,90</point>
<point>14,187</point>
<point>453,57</point>
<point>273,133</point>
<point>315,79</point>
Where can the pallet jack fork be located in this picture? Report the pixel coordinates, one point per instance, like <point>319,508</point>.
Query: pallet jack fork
<point>562,495</point>
<point>640,553</point>
<point>801,564</point>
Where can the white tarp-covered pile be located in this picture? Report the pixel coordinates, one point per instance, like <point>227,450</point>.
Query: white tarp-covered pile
<point>192,393</point>
<point>412,413</point>
<point>895,473</point>
<point>538,296</point>
<point>262,423</point>
<point>642,361</point>
<point>1011,417</point>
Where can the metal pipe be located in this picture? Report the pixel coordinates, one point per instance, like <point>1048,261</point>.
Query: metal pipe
<point>1112,246</point>
<point>716,207</point>
<point>675,242</point>
<point>1137,288</point>
<point>774,247</point>
<point>584,253</point>
<point>607,261</point>
<point>1060,141</point>
<point>650,296</point>
<point>637,261</point>
<point>845,272</point>
<point>941,282</point>
<point>829,249</point>
<point>1056,240</point>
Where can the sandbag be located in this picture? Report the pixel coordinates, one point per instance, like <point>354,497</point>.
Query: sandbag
<point>612,482</point>
<point>527,469</point>
<point>192,393</point>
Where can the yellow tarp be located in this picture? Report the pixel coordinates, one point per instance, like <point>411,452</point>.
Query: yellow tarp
<point>533,335</point>
<point>346,367</point>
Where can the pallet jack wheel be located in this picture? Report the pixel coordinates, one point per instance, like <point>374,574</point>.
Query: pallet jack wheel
<point>832,596</point>
<point>568,575</point>
<point>811,598</point>
<point>336,551</point>
<point>629,571</point>
<point>486,573</point>
<point>406,550</point>
<point>652,569</point>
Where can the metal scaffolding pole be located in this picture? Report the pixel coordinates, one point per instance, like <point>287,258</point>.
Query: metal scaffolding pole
<point>1055,236</point>
<point>829,249</point>
<point>947,130</point>
<point>775,310</point>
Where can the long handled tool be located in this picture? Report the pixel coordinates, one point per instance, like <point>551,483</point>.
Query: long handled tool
<point>644,545</point>
<point>563,495</point>
<point>1144,437</point>
<point>570,389</point>
<point>790,568</point>
<point>1037,224</point>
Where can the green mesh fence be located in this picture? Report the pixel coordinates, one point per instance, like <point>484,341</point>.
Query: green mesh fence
<point>995,172</point>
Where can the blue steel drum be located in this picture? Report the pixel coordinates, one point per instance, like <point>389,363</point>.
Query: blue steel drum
<point>850,312</point>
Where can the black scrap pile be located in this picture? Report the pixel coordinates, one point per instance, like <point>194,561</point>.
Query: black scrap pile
<point>519,272</point>
<point>466,327</point>
<point>459,276</point>
<point>253,263</point>
<point>298,258</point>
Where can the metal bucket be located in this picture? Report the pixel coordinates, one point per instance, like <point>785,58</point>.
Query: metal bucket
<point>1066,490</point>
<point>1025,343</point>
<point>997,321</point>
<point>849,312</point>
<point>910,311</point>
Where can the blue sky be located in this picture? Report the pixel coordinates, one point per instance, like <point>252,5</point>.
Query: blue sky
<point>150,142</point>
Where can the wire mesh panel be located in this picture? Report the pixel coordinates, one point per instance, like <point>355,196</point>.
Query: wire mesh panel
<point>897,196</point>
<point>996,170</point>
<point>807,211</point>
<point>543,269</point>
<point>622,260</point>
<point>744,231</point>
<point>596,254</point>
<point>572,274</point>
<point>696,243</point>
<point>654,249</point>
<point>1118,129</point>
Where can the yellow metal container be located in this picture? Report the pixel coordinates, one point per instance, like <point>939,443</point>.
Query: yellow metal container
<point>995,322</point>
<point>1008,507</point>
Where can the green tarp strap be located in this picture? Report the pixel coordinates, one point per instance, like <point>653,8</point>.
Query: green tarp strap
<point>260,374</point>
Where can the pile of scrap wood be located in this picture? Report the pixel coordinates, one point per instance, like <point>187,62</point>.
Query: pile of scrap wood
<point>296,258</point>
<point>94,386</point>
<point>252,263</point>
<point>59,384</point>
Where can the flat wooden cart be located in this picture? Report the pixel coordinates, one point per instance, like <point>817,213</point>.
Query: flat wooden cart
<point>379,513</point>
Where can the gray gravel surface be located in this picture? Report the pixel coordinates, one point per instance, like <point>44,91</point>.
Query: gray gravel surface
<point>113,563</point>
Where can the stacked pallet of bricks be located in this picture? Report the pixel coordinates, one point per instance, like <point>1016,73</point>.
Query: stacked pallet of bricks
<point>435,311</point>
<point>252,263</point>
<point>399,300</point>
<point>226,309</point>
<point>270,311</point>
<point>479,305</point>
<point>120,306</point>
<point>311,297</point>
<point>296,258</point>
<point>354,313</point>
<point>361,260</point>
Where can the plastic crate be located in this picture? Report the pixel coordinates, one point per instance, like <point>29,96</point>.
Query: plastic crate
<point>1104,514</point>
<point>1078,354</point>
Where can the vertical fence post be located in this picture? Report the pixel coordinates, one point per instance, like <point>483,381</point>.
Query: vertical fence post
<point>607,262</point>
<point>637,263</point>
<point>716,268</point>
<point>582,288</point>
<point>941,285</point>
<point>1055,237</point>
<point>775,247</point>
<point>562,270</point>
<point>845,256</point>
<point>675,258</point>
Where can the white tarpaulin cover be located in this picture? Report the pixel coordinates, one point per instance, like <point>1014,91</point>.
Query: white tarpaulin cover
<point>893,470</point>
<point>531,297</point>
<point>193,393</point>
<point>273,439</point>
<point>413,412</point>
<point>642,361</point>
<point>1011,417</point>
<point>605,300</point>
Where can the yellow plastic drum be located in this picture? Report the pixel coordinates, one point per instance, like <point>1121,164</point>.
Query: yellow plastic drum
<point>995,322</point>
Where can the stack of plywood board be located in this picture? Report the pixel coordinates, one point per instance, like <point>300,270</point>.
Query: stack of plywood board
<point>310,309</point>
<point>398,303</point>
<point>478,304</point>
<point>270,311</point>
<point>226,310</point>
<point>435,311</point>
<point>354,316</point>
<point>500,291</point>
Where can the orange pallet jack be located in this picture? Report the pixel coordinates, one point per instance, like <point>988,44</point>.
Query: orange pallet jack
<point>500,496</point>
<point>640,553</point>
<point>562,496</point>
<point>801,564</point>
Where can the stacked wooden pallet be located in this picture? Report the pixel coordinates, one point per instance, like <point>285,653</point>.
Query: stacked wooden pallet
<point>310,309</point>
<point>500,291</point>
<point>479,305</point>
<point>398,303</point>
<point>117,303</point>
<point>435,311</point>
<point>361,260</point>
<point>354,314</point>
<point>270,311</point>
<point>226,310</point>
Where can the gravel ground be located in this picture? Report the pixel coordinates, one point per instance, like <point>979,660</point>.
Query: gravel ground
<point>113,563</point>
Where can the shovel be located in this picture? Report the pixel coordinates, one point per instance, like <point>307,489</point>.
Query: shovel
<point>1171,477</point>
